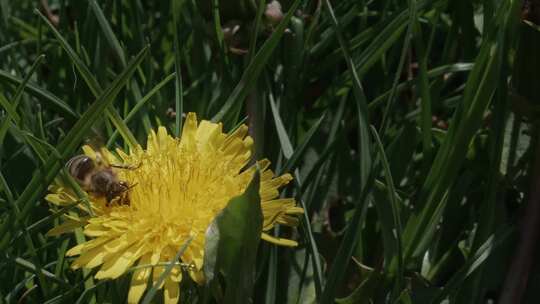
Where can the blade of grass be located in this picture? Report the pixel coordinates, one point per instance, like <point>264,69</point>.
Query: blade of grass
<point>32,268</point>
<point>299,152</point>
<point>155,287</point>
<point>435,72</point>
<point>472,264</point>
<point>67,146</point>
<point>391,98</point>
<point>347,246</point>
<point>425,94</point>
<point>109,34</point>
<point>11,108</point>
<point>178,88</point>
<point>255,33</point>
<point>397,229</point>
<point>138,106</point>
<point>114,43</point>
<point>252,72</point>
<point>92,83</point>
<point>288,151</point>
<point>271,281</point>
<point>219,33</point>
<point>388,35</point>
<point>40,93</point>
<point>361,102</point>
<point>79,64</point>
<point>496,195</point>
<point>318,168</point>
<point>37,266</point>
<point>466,121</point>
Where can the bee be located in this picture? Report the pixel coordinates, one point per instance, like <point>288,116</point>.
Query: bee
<point>98,178</point>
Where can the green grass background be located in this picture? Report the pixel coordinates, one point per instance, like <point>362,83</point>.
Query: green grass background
<point>395,118</point>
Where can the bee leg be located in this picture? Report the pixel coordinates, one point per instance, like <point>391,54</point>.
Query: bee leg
<point>110,200</point>
<point>131,186</point>
<point>116,201</point>
<point>125,200</point>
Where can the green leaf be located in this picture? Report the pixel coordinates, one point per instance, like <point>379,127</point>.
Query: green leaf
<point>231,245</point>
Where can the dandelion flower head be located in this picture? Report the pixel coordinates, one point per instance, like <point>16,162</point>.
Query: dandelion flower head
<point>178,186</point>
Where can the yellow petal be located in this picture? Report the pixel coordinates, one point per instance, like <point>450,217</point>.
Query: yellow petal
<point>96,230</point>
<point>157,271</point>
<point>248,142</point>
<point>119,243</point>
<point>208,133</point>
<point>123,155</point>
<point>188,133</point>
<point>163,138</point>
<point>288,220</point>
<point>91,258</point>
<point>109,157</point>
<point>295,210</point>
<point>171,295</point>
<point>118,264</point>
<point>57,199</point>
<point>197,276</point>
<point>239,133</point>
<point>176,274</point>
<point>268,194</point>
<point>281,203</point>
<point>152,144</point>
<point>263,164</point>
<point>276,182</point>
<point>139,280</point>
<point>77,250</point>
<point>67,226</point>
<point>278,241</point>
<point>88,151</point>
<point>236,147</point>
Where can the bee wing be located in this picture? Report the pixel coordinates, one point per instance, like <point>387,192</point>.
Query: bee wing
<point>96,139</point>
<point>95,148</point>
<point>109,158</point>
<point>92,147</point>
<point>102,156</point>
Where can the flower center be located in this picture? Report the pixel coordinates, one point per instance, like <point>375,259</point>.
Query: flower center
<point>173,186</point>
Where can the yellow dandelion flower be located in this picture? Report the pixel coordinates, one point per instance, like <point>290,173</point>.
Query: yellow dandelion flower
<point>177,187</point>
